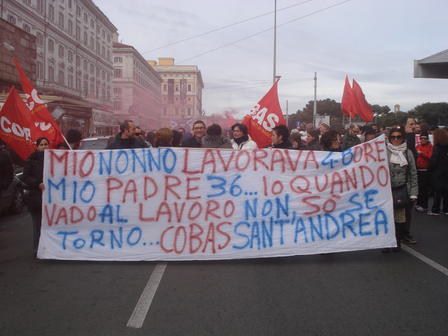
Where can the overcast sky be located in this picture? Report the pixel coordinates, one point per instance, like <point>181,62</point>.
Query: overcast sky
<point>374,41</point>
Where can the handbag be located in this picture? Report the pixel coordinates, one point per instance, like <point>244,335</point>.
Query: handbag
<point>400,196</point>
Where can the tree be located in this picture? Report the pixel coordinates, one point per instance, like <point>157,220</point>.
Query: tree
<point>380,110</point>
<point>432,114</point>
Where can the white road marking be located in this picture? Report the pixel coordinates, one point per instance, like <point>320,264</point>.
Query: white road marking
<point>144,302</point>
<point>426,260</point>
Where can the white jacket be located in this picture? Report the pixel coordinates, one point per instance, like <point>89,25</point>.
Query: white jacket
<point>248,145</point>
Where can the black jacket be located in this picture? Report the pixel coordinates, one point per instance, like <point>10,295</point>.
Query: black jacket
<point>285,145</point>
<point>438,168</point>
<point>33,172</point>
<point>120,143</point>
<point>192,142</point>
<point>6,170</point>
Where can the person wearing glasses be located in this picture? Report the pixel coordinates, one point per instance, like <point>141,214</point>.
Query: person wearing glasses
<point>424,153</point>
<point>351,138</point>
<point>241,138</point>
<point>402,173</point>
<point>126,139</point>
<point>195,141</point>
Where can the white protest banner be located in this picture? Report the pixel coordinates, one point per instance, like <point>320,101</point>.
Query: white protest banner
<point>203,204</point>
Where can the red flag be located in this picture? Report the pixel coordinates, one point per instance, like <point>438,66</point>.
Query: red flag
<point>348,105</point>
<point>44,121</point>
<point>16,126</point>
<point>363,108</point>
<point>264,117</point>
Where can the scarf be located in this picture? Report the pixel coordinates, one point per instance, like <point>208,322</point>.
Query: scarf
<point>242,139</point>
<point>397,154</point>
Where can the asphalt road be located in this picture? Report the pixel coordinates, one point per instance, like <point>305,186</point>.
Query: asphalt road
<point>357,293</point>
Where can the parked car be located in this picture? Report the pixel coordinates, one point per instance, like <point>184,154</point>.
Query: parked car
<point>100,142</point>
<point>12,198</point>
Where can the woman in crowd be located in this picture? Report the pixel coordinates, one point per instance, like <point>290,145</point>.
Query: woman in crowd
<point>312,140</point>
<point>241,138</point>
<point>331,141</point>
<point>33,177</point>
<point>403,177</point>
<point>438,168</point>
<point>163,138</point>
<point>280,137</point>
<point>424,153</point>
<point>296,141</point>
<point>214,138</point>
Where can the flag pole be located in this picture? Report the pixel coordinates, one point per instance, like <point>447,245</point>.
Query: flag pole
<point>275,41</point>
<point>315,100</point>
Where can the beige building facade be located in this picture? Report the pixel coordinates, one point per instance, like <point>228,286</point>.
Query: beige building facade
<point>73,58</point>
<point>136,88</point>
<point>182,87</point>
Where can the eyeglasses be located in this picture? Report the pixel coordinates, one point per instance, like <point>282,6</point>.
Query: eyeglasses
<point>424,138</point>
<point>138,134</point>
<point>198,128</point>
<point>395,137</point>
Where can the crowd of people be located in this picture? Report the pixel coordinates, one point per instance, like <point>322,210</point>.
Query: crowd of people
<point>418,158</point>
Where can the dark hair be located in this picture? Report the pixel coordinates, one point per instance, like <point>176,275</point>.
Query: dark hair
<point>440,137</point>
<point>125,125</point>
<point>282,131</point>
<point>242,127</point>
<point>295,137</point>
<point>314,133</point>
<point>73,135</point>
<point>177,138</point>
<point>399,129</point>
<point>39,140</point>
<point>214,129</point>
<point>327,138</point>
<point>199,122</point>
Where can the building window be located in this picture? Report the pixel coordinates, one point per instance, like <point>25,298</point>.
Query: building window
<point>189,111</point>
<point>51,12</point>
<point>92,43</point>
<point>86,19</point>
<point>118,73</point>
<point>61,79</point>
<point>61,20</point>
<point>84,65</point>
<point>85,38</point>
<point>11,19</point>
<point>40,6</point>
<point>189,87</point>
<point>78,11</point>
<point>117,91</point>
<point>78,33</point>
<point>177,88</point>
<point>50,45</point>
<point>118,59</point>
<point>92,24</point>
<point>165,87</point>
<point>78,84</point>
<point>78,61</point>
<point>70,81</point>
<point>40,72</point>
<point>26,28</point>
<point>61,51</point>
<point>92,69</point>
<point>70,56</point>
<point>69,3</point>
<point>70,27</point>
<point>117,105</point>
<point>50,74</point>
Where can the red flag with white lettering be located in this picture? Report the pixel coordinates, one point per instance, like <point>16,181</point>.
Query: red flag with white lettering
<point>363,108</point>
<point>264,117</point>
<point>44,121</point>
<point>348,105</point>
<point>16,125</point>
